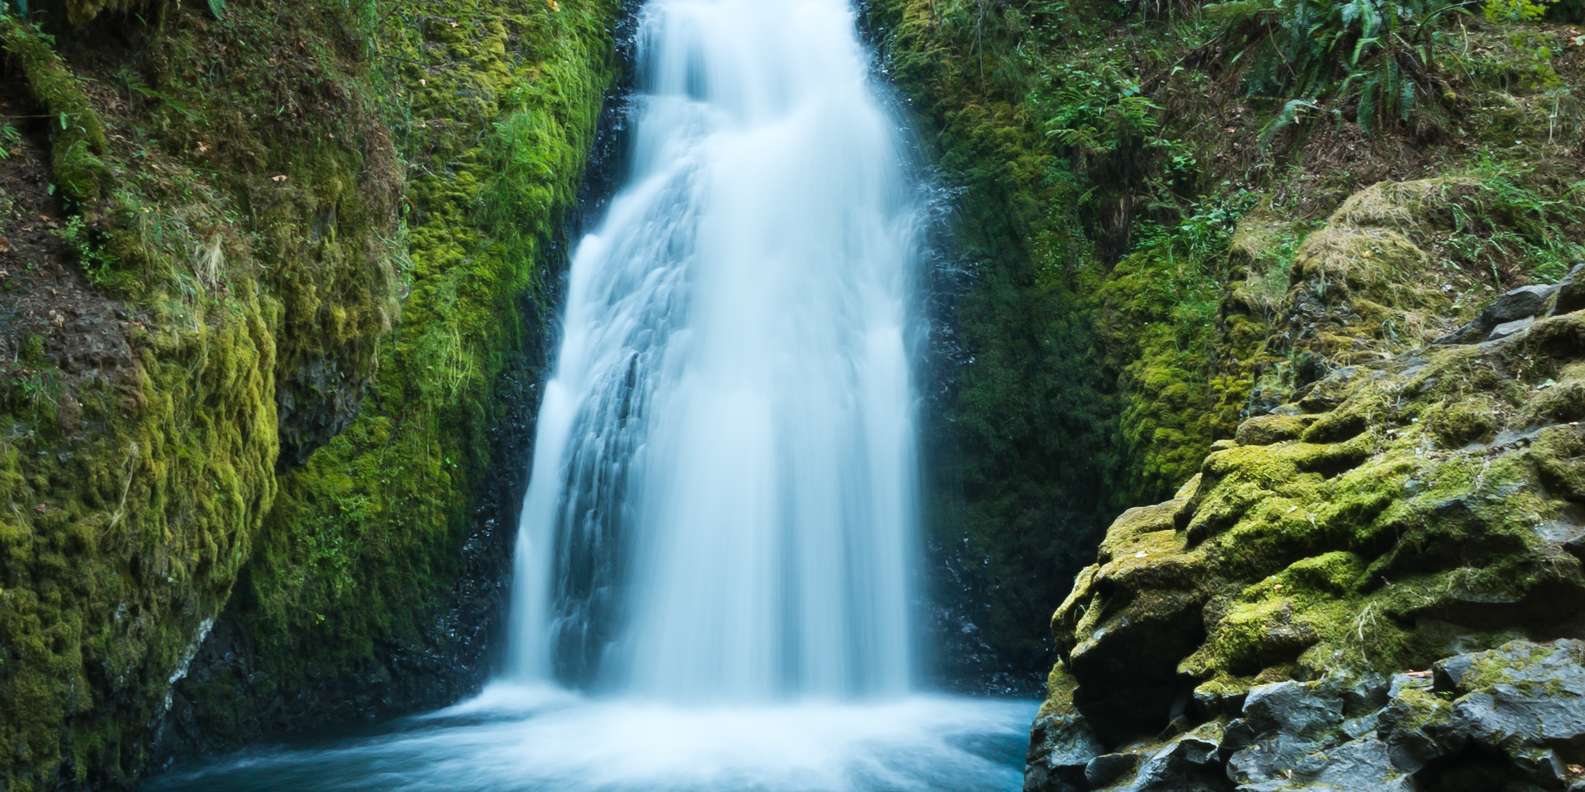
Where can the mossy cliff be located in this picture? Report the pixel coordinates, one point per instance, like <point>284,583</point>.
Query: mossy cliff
<point>1141,190</point>
<point>1397,512</point>
<point>345,610</point>
<point>211,219</point>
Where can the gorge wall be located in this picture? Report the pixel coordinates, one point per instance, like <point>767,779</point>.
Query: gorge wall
<point>1248,261</point>
<point>268,278</point>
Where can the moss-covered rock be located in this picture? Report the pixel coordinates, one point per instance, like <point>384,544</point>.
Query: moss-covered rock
<point>343,612</point>
<point>1177,275</point>
<point>208,231</point>
<point>205,244</point>
<point>1423,505</point>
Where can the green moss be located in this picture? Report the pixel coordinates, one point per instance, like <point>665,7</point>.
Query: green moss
<point>131,506</point>
<point>498,107</point>
<point>1402,527</point>
<point>76,132</point>
<point>1561,402</point>
<point>1559,457</point>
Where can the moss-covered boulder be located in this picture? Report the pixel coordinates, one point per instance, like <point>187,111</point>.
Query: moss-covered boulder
<point>1398,511</point>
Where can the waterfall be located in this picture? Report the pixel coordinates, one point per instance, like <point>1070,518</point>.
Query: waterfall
<point>717,538</point>
<point>723,492</point>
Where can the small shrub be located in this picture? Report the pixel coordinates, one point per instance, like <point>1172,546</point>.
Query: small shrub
<point>90,255</point>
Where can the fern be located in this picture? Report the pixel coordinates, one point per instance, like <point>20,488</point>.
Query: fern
<point>1372,55</point>
<point>1292,114</point>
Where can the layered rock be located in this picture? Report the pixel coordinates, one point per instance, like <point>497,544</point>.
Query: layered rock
<point>1274,625</point>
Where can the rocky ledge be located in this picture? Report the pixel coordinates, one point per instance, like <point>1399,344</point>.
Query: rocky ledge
<point>1377,584</point>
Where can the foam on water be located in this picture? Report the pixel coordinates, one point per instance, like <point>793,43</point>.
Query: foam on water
<point>519,739</point>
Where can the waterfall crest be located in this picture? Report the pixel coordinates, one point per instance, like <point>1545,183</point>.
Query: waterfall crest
<point>723,494</point>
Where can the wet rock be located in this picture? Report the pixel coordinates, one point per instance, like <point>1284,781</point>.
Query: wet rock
<point>1532,693</point>
<point>1519,303</point>
<point>1507,329</point>
<point>1361,764</point>
<point>1060,752</point>
<point>1293,707</point>
<point>1189,764</point>
<point>1107,768</point>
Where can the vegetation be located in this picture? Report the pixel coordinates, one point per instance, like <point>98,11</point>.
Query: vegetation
<point>361,550</point>
<point>1173,176</point>
<point>211,216</point>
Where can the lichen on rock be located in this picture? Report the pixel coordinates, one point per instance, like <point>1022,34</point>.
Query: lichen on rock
<point>1424,506</point>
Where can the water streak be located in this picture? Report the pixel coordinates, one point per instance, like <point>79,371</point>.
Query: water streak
<point>723,492</point>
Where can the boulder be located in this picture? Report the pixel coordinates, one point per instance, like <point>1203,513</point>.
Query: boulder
<point>1189,764</point>
<point>1507,329</point>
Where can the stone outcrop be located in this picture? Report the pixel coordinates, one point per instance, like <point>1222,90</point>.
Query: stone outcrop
<point>1510,717</point>
<point>1373,585</point>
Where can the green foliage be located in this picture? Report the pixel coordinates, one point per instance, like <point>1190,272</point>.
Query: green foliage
<point>1516,10</point>
<point>10,140</point>
<point>90,253</point>
<point>1377,57</point>
<point>1098,115</point>
<point>1511,224</point>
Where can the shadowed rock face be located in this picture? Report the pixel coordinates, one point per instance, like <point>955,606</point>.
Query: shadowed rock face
<point>1277,622</point>
<point>1511,715</point>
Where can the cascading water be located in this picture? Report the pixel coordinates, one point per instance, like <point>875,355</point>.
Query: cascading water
<point>722,496</point>
<point>717,536</point>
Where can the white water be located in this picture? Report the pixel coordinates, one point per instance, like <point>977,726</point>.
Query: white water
<point>717,536</point>
<point>722,498</point>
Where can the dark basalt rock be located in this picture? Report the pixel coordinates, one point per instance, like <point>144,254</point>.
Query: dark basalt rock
<point>1188,764</point>
<point>1511,717</point>
<point>1061,748</point>
<point>1507,315</point>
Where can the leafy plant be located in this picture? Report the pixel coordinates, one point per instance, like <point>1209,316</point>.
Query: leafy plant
<point>1516,10</point>
<point>10,139</point>
<point>1377,57</point>
<point>90,255</point>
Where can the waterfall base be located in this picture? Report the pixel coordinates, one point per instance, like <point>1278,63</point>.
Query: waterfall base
<point>513,738</point>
